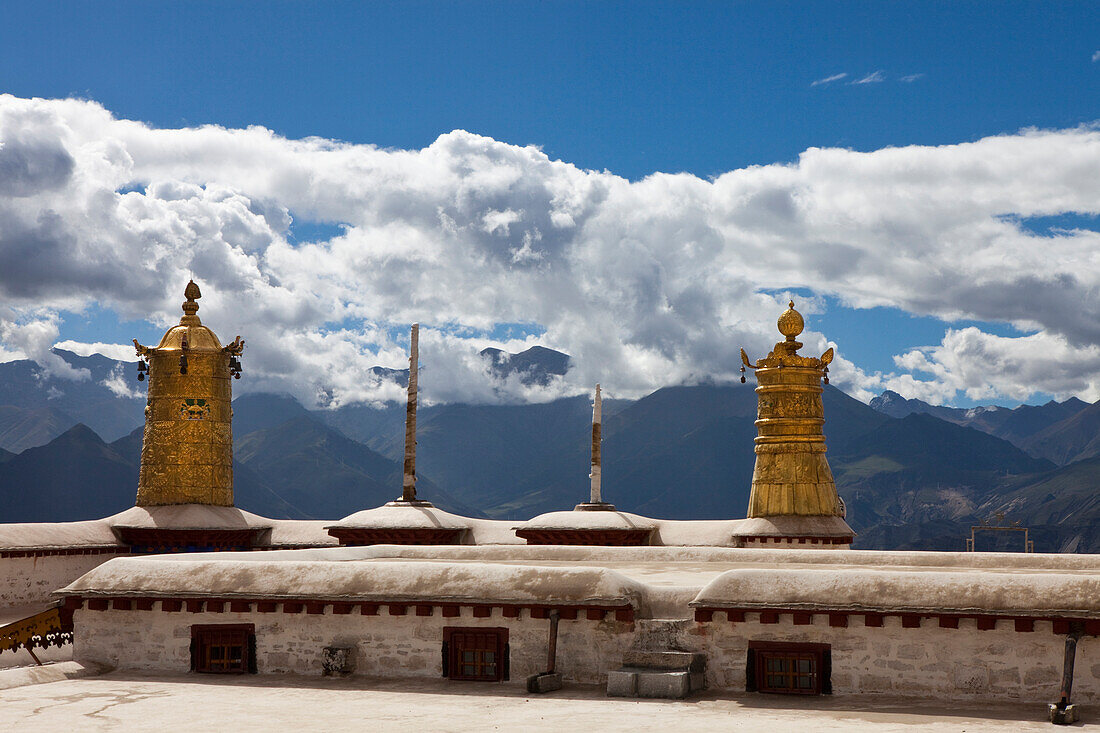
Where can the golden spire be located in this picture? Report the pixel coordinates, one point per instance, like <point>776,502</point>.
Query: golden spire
<point>790,323</point>
<point>792,475</point>
<point>187,447</point>
<point>190,307</point>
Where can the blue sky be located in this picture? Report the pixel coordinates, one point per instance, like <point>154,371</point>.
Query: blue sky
<point>632,88</point>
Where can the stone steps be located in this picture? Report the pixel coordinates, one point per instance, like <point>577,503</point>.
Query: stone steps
<point>654,683</point>
<point>655,668</point>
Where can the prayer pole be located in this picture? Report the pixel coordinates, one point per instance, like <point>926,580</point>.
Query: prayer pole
<point>408,484</point>
<point>597,420</point>
<point>595,501</point>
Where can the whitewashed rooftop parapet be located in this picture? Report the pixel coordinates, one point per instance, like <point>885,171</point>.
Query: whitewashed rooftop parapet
<point>101,532</point>
<point>300,532</point>
<point>856,589</point>
<point>715,556</point>
<point>654,580</point>
<point>670,534</point>
<point>383,580</point>
<point>56,535</point>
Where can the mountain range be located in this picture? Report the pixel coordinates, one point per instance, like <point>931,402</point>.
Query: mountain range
<point>1062,432</point>
<point>36,407</point>
<point>912,475</point>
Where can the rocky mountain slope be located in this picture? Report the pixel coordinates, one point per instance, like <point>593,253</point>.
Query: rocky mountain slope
<point>1057,431</point>
<point>918,480</point>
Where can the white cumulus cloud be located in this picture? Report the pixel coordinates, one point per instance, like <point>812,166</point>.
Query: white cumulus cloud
<point>643,283</point>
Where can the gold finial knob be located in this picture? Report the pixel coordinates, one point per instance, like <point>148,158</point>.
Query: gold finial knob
<point>191,292</point>
<point>790,322</point>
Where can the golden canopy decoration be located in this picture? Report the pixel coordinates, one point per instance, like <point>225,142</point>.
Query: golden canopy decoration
<point>187,447</point>
<point>792,475</point>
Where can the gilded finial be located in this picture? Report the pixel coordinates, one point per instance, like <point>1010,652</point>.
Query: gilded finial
<point>192,293</point>
<point>790,322</point>
<point>792,476</point>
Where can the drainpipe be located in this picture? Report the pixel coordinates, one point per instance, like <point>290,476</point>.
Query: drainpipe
<point>1062,712</point>
<point>549,680</point>
<point>552,644</point>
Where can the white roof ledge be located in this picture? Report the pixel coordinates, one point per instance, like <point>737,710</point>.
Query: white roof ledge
<point>897,590</point>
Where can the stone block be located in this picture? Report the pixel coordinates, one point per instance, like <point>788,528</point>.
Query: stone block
<point>622,683</point>
<point>971,678</point>
<point>1004,678</point>
<point>544,682</point>
<point>875,683</point>
<point>276,661</point>
<point>910,651</point>
<point>1041,676</point>
<point>659,633</point>
<point>664,685</point>
<point>849,643</point>
<point>1060,715</point>
<point>843,681</point>
<point>898,666</point>
<point>682,661</point>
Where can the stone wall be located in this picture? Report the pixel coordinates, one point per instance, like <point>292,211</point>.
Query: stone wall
<point>387,646</point>
<point>31,580</point>
<point>1000,663</point>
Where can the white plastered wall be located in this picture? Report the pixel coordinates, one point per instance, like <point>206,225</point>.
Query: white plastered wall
<point>1000,663</point>
<point>31,580</point>
<point>388,646</point>
<point>963,663</point>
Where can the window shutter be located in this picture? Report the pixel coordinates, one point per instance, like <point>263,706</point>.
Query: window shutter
<point>506,661</point>
<point>446,660</point>
<point>194,653</point>
<point>827,672</point>
<point>252,654</point>
<point>750,671</point>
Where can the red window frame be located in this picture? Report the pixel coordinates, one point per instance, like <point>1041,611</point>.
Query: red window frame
<point>223,648</point>
<point>789,668</point>
<point>475,653</point>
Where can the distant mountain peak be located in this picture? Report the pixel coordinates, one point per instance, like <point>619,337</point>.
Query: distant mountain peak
<point>1031,427</point>
<point>893,404</point>
<point>78,433</point>
<point>385,374</point>
<point>536,365</point>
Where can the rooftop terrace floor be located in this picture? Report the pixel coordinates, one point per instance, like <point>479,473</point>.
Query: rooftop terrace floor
<point>125,701</point>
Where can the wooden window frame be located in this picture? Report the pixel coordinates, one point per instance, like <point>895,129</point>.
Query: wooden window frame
<point>454,639</point>
<point>759,652</point>
<point>205,637</point>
